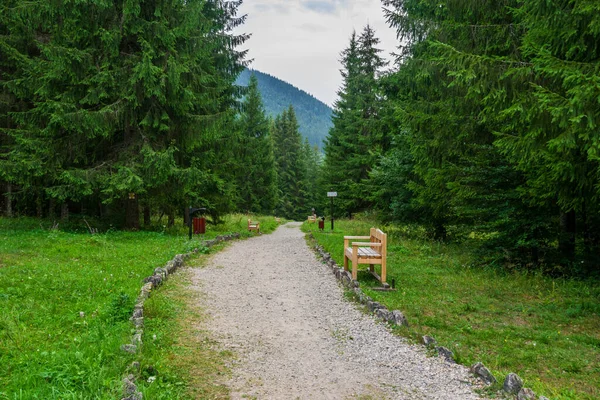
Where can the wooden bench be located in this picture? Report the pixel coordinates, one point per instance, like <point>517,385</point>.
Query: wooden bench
<point>312,218</point>
<point>278,220</point>
<point>253,226</point>
<point>373,252</point>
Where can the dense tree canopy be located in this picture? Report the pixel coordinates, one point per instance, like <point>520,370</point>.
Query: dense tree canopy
<point>256,175</point>
<point>356,139</point>
<point>290,164</point>
<point>498,102</point>
<point>115,103</point>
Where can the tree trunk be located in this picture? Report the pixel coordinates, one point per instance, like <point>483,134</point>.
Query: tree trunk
<point>51,207</point>
<point>147,215</point>
<point>439,231</point>
<point>171,221</point>
<point>568,230</point>
<point>64,211</point>
<point>39,209</point>
<point>9,210</point>
<point>132,213</point>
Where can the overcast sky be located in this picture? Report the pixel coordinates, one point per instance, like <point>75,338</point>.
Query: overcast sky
<point>300,41</point>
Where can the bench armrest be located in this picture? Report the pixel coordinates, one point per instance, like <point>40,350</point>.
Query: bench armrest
<point>366,244</point>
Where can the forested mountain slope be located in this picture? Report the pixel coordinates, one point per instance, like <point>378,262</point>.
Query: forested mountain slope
<point>313,115</point>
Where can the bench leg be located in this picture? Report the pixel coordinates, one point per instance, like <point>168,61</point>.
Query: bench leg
<point>354,267</point>
<point>345,262</point>
<point>383,273</point>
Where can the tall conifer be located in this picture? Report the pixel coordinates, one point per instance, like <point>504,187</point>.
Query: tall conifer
<point>356,140</point>
<point>291,166</point>
<point>256,176</point>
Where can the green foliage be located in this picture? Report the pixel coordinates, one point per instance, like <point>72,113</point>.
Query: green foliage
<point>291,166</point>
<point>256,176</point>
<point>543,329</point>
<point>314,117</point>
<point>498,102</point>
<point>356,139</point>
<point>103,100</point>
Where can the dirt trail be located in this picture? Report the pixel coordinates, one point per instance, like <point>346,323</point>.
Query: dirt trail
<point>284,315</point>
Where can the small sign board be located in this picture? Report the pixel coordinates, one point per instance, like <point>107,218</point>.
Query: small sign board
<point>331,194</point>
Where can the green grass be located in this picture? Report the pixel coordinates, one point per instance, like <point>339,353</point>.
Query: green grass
<point>545,330</point>
<point>177,352</point>
<point>66,298</point>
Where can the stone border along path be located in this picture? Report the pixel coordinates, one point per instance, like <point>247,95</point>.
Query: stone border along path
<point>130,390</point>
<point>283,314</point>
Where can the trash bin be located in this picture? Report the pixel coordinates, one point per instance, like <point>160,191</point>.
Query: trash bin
<point>322,223</point>
<point>199,225</point>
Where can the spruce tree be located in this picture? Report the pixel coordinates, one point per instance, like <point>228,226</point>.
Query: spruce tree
<point>117,101</point>
<point>500,103</point>
<point>356,140</point>
<point>291,166</point>
<point>256,175</point>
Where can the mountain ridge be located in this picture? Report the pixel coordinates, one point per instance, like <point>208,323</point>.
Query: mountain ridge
<point>314,116</point>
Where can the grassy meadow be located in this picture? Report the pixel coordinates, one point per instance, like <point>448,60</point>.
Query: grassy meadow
<point>66,298</point>
<point>545,330</point>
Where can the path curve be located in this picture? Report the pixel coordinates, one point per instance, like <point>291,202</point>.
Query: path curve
<point>283,314</point>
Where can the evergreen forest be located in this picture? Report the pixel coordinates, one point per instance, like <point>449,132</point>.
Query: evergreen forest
<point>483,128</point>
<point>314,116</point>
<point>122,111</point>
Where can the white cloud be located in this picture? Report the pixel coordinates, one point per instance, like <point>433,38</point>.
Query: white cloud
<point>300,41</point>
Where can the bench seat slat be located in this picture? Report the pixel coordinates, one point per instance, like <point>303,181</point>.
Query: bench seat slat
<point>365,252</point>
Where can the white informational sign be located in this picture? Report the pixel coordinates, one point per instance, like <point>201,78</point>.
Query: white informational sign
<point>331,194</point>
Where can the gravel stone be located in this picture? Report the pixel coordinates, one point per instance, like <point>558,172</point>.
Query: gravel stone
<point>130,389</point>
<point>428,341</point>
<point>129,348</point>
<point>526,394</point>
<point>482,372</point>
<point>383,314</point>
<point>512,384</point>
<point>292,346</point>
<point>446,354</point>
<point>398,318</point>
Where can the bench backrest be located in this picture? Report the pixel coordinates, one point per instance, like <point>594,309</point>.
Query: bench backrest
<point>377,236</point>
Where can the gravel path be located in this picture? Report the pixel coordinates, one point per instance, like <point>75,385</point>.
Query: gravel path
<point>283,314</point>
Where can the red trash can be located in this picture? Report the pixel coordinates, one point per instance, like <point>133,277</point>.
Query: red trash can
<point>321,224</point>
<point>199,225</point>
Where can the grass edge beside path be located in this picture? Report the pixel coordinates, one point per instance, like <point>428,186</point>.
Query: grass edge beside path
<point>67,297</point>
<point>545,330</point>
<point>180,360</point>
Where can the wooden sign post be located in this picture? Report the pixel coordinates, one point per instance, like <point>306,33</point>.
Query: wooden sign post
<point>332,195</point>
